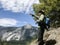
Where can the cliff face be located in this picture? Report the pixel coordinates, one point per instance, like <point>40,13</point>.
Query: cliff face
<point>51,37</point>
<point>19,33</point>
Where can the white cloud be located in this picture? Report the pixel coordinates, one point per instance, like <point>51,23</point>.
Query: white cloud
<point>11,22</point>
<point>17,5</point>
<point>8,22</point>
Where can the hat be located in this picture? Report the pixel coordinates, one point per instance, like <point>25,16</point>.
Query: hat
<point>41,12</point>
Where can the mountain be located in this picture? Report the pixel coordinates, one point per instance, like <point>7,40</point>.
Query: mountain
<point>25,32</point>
<point>28,32</point>
<point>3,30</point>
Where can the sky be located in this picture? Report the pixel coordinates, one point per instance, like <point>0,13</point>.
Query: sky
<point>16,12</point>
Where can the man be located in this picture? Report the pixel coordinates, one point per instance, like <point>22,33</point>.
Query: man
<point>41,26</point>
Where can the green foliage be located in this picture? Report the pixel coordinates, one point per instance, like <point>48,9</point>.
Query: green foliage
<point>14,42</point>
<point>51,8</point>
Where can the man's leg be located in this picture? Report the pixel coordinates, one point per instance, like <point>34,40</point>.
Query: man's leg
<point>40,36</point>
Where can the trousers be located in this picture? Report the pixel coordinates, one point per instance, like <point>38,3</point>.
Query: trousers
<point>40,34</point>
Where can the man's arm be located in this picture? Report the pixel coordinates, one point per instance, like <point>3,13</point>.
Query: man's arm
<point>35,16</point>
<point>41,18</point>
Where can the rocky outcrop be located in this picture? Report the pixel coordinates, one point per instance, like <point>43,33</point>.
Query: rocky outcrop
<point>51,37</point>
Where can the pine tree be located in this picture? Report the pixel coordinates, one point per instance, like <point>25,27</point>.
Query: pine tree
<point>51,8</point>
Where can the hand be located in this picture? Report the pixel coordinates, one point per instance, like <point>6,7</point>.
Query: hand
<point>31,14</point>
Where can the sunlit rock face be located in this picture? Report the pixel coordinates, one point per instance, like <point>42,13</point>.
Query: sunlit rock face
<point>20,33</point>
<point>51,37</point>
<point>28,26</point>
<point>17,5</point>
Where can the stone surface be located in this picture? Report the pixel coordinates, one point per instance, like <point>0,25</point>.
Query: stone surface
<point>51,37</point>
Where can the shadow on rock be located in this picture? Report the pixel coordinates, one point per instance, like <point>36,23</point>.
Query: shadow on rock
<point>50,42</point>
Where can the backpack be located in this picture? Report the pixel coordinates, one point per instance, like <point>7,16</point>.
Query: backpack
<point>47,20</point>
<point>46,23</point>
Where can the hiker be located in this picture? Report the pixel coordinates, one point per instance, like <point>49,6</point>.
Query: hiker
<point>41,26</point>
